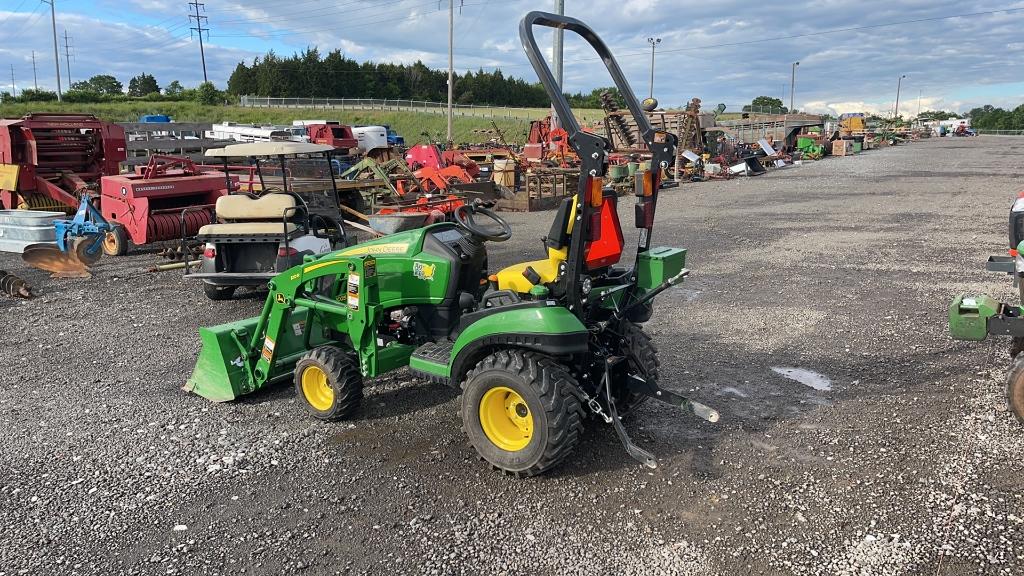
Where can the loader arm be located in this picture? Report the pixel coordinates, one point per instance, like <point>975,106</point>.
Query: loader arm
<point>241,357</point>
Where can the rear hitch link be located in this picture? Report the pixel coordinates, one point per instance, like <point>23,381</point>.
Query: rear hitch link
<point>638,385</point>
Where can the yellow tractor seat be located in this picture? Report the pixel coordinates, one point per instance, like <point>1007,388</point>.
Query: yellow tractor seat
<point>525,275</point>
<point>518,277</point>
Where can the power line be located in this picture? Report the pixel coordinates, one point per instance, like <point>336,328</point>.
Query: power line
<point>33,16</point>
<point>13,12</point>
<point>349,25</point>
<point>307,14</point>
<point>199,28</point>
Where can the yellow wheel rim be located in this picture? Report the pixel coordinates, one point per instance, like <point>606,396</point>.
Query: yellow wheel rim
<point>316,389</point>
<point>110,242</point>
<point>506,419</point>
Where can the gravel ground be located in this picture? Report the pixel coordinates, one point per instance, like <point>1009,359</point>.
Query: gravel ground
<point>904,461</point>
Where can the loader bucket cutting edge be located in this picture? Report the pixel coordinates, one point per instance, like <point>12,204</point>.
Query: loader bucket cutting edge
<point>220,374</point>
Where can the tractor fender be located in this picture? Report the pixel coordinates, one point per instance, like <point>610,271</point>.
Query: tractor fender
<point>551,330</point>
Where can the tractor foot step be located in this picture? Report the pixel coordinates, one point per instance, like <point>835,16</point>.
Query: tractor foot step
<point>430,361</point>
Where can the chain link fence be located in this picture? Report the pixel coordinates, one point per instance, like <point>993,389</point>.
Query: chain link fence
<point>467,110</point>
<point>388,105</point>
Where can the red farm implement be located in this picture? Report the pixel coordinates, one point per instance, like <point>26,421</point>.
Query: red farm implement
<point>48,160</point>
<point>167,199</point>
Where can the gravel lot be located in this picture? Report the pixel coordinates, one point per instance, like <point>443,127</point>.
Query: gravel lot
<point>905,462</point>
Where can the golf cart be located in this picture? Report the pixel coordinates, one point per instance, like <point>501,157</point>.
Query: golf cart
<point>533,348</point>
<point>295,215</point>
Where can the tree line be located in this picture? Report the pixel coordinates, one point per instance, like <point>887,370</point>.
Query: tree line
<point>992,118</point>
<point>107,88</point>
<point>310,75</point>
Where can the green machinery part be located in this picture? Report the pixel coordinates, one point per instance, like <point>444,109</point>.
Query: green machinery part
<point>969,316</point>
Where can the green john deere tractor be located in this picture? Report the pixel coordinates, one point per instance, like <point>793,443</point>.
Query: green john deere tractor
<point>534,347</point>
<point>975,316</point>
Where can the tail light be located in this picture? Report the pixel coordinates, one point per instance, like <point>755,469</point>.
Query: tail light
<point>285,252</point>
<point>596,192</point>
<point>210,253</point>
<point>605,249</point>
<point>645,184</point>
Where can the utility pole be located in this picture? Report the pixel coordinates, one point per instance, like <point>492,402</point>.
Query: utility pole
<point>653,42</point>
<point>451,65</point>
<point>919,92</point>
<point>557,57</point>
<point>67,54</point>
<point>56,54</point>
<point>896,109</point>
<point>35,79</point>
<point>196,4</point>
<point>14,87</point>
<point>792,87</point>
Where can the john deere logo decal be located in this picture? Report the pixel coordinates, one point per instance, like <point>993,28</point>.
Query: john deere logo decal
<point>423,271</point>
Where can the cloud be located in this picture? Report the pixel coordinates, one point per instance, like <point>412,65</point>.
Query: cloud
<point>709,50</point>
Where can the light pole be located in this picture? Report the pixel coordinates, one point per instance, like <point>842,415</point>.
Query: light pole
<point>792,86</point>
<point>896,110</point>
<point>653,42</point>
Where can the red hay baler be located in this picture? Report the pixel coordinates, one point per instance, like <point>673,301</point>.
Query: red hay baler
<point>52,158</point>
<point>167,199</point>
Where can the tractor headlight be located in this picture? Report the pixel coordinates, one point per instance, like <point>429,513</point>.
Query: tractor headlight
<point>586,284</point>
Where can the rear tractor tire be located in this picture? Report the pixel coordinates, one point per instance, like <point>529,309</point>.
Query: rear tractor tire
<point>643,361</point>
<point>115,242</point>
<point>218,292</point>
<point>329,383</point>
<point>1015,388</point>
<point>521,411</point>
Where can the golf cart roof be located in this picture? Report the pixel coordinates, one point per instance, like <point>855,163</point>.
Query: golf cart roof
<point>268,149</point>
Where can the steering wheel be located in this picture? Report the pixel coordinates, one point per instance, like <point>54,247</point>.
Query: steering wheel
<point>464,216</point>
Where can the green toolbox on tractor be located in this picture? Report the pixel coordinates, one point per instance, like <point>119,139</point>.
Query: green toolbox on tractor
<point>534,347</point>
<point>975,316</point>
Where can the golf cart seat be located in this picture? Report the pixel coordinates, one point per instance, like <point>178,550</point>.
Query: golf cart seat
<point>602,251</point>
<point>263,215</point>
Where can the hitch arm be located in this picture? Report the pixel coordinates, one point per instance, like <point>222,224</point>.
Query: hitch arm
<point>640,386</point>
<point>637,453</point>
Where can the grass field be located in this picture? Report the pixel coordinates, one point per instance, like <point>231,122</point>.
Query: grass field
<point>409,124</point>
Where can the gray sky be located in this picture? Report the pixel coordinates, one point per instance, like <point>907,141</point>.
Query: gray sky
<point>727,51</point>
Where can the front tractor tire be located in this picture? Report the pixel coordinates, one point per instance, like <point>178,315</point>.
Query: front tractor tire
<point>521,411</point>
<point>329,383</point>
<point>1015,388</point>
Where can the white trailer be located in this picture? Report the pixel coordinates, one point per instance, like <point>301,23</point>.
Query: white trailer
<point>254,133</point>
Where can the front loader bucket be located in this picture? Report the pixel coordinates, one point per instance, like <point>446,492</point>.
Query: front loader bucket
<point>221,372</point>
